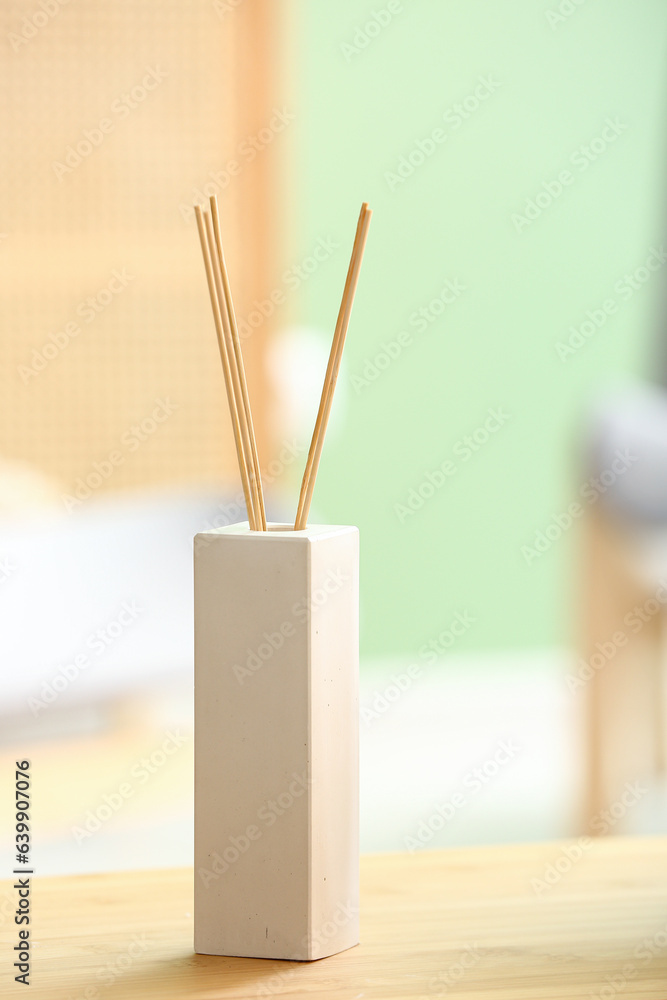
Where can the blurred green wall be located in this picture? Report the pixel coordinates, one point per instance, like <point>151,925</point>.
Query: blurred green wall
<point>519,92</point>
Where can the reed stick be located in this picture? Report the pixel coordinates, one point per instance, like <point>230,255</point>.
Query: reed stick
<point>203,227</point>
<point>335,355</point>
<point>236,380</point>
<point>238,366</point>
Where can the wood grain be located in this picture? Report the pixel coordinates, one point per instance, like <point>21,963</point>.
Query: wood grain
<point>423,918</point>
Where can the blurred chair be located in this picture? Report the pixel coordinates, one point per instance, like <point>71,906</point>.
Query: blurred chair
<point>625,601</point>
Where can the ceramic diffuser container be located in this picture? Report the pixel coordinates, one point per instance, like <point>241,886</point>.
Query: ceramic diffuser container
<point>276,741</point>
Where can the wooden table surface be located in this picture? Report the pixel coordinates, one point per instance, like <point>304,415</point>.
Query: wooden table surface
<point>508,922</point>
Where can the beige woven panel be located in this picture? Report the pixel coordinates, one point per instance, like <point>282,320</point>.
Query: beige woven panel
<point>114,113</point>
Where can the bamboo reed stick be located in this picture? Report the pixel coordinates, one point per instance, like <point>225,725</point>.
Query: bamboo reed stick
<point>237,355</point>
<point>236,381</point>
<point>203,227</point>
<point>335,355</point>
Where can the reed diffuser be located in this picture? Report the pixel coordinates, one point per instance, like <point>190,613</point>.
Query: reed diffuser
<point>276,691</point>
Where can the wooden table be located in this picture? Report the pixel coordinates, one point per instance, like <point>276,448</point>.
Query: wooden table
<point>468,923</point>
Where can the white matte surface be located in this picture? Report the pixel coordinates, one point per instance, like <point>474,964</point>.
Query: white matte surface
<point>276,742</point>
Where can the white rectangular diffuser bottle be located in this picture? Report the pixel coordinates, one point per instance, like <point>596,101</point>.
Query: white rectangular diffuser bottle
<point>276,741</point>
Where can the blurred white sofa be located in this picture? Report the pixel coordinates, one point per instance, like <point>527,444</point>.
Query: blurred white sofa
<point>98,603</point>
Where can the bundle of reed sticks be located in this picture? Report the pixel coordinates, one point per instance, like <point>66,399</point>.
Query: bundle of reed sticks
<point>231,356</point>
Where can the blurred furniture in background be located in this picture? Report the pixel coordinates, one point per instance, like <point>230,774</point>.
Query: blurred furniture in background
<point>512,766</point>
<point>118,117</point>
<point>622,670</point>
<point>112,591</point>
